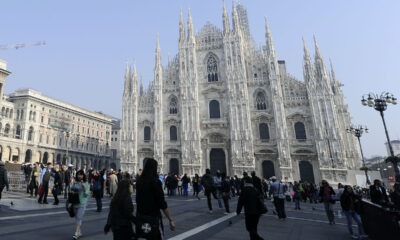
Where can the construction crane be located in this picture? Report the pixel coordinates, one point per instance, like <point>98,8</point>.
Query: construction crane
<point>22,45</point>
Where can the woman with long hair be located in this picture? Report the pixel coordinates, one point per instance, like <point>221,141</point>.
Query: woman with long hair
<point>351,205</point>
<point>120,217</point>
<point>150,198</point>
<point>80,187</point>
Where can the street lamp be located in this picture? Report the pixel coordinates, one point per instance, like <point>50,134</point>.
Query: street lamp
<point>380,103</point>
<point>358,132</point>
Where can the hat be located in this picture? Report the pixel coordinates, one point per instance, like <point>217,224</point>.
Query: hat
<point>273,178</point>
<point>70,165</point>
<point>2,163</point>
<point>244,173</point>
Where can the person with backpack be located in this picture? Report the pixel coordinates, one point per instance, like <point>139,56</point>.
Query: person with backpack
<point>250,199</point>
<point>98,189</point>
<point>209,188</point>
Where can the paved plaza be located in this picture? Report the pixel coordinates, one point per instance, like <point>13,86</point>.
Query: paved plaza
<point>26,219</point>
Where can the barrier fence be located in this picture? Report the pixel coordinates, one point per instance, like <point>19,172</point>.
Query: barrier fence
<point>379,222</point>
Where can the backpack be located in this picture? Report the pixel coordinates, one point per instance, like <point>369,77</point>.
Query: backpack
<point>208,182</point>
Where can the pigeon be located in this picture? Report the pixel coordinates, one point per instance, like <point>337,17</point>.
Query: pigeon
<point>230,222</point>
<point>12,204</point>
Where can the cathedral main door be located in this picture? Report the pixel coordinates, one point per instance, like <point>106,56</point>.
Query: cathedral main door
<point>306,171</point>
<point>268,169</point>
<point>174,166</point>
<point>217,160</point>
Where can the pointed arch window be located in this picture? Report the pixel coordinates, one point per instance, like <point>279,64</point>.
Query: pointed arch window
<point>214,109</point>
<point>173,106</point>
<point>147,132</point>
<point>173,135</point>
<point>212,69</point>
<point>264,131</point>
<point>260,101</point>
<point>300,131</point>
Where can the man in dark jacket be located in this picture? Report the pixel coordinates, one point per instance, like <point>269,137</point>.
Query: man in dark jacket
<point>378,193</point>
<point>209,187</point>
<point>3,178</point>
<point>44,183</point>
<point>27,171</point>
<point>256,182</point>
<point>57,184</point>
<point>67,180</point>
<point>249,198</point>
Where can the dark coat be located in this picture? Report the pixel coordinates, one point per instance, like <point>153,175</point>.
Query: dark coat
<point>257,183</point>
<point>378,194</point>
<point>150,198</point>
<point>249,198</point>
<point>3,178</point>
<point>395,197</point>
<point>350,202</point>
<point>120,215</point>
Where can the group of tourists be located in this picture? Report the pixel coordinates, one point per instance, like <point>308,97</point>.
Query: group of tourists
<point>77,185</point>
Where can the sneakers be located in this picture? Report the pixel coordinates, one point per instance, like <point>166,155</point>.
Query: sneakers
<point>77,235</point>
<point>210,211</point>
<point>354,236</point>
<point>363,236</point>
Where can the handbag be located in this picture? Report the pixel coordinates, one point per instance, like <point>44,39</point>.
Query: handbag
<point>147,227</point>
<point>73,198</point>
<point>70,208</point>
<point>40,191</point>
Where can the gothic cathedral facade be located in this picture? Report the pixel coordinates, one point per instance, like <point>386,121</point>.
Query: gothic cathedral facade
<point>225,104</point>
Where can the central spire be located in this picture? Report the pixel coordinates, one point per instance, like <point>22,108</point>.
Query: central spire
<point>235,18</point>
<point>158,52</point>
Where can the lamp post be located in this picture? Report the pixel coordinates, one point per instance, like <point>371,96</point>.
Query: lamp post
<point>358,132</point>
<point>380,103</point>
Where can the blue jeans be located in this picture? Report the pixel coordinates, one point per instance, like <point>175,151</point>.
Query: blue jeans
<point>297,203</point>
<point>79,212</point>
<point>185,189</point>
<point>351,214</point>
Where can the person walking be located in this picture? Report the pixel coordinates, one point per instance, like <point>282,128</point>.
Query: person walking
<point>325,196</point>
<point>250,199</point>
<point>180,185</point>
<point>67,180</point>
<point>209,188</point>
<point>98,189</point>
<point>195,185</point>
<point>113,183</point>
<point>225,191</point>
<point>185,183</point>
<point>150,198</point>
<point>57,184</point>
<point>35,179</point>
<point>82,188</point>
<point>277,189</point>
<point>121,216</point>
<point>44,183</point>
<point>27,172</point>
<point>351,205</point>
<point>297,195</point>
<point>218,186</point>
<point>256,182</point>
<point>3,178</point>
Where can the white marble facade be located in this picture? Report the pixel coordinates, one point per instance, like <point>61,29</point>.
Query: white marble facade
<point>224,103</point>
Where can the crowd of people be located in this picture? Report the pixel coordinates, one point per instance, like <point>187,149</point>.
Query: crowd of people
<point>77,185</point>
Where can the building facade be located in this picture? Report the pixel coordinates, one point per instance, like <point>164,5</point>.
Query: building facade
<point>115,144</point>
<point>225,104</point>
<point>36,128</point>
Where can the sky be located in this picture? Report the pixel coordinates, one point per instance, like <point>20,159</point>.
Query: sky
<point>88,44</point>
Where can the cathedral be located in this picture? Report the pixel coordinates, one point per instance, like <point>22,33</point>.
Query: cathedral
<point>225,104</point>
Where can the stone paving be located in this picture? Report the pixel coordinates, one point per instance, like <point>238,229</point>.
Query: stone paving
<point>28,220</point>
